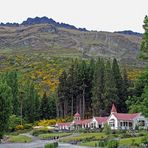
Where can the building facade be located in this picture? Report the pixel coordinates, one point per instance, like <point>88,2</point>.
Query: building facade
<point>115,120</point>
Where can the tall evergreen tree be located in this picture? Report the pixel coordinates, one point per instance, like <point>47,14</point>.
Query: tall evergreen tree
<point>12,81</point>
<point>5,107</point>
<point>30,103</point>
<point>62,95</point>
<point>98,88</point>
<point>47,109</point>
<point>110,91</point>
<point>119,85</point>
<point>144,43</point>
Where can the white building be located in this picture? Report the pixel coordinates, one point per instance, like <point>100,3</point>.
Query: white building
<point>115,120</point>
<point>126,121</point>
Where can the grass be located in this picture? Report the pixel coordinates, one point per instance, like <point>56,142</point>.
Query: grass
<point>130,141</point>
<point>52,135</point>
<point>122,142</point>
<point>20,139</point>
<point>84,137</point>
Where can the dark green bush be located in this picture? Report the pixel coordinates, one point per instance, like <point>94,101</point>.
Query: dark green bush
<point>51,145</point>
<point>113,144</point>
<point>28,126</point>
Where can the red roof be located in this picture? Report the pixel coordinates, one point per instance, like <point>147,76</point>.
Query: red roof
<point>77,115</point>
<point>101,119</point>
<point>64,124</point>
<point>121,116</point>
<point>82,122</point>
<point>113,110</point>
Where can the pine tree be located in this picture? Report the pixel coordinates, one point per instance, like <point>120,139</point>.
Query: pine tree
<point>44,108</point>
<point>62,95</point>
<point>12,81</point>
<point>119,85</point>
<point>110,90</point>
<point>98,88</point>
<point>30,103</point>
<point>5,107</point>
<point>144,43</point>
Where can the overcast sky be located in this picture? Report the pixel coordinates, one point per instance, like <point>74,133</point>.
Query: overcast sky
<point>105,15</point>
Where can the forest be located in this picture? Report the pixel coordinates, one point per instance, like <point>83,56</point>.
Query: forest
<point>57,89</point>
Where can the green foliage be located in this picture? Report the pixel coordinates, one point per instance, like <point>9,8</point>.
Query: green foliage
<point>107,129</point>
<point>12,81</point>
<point>5,107</point>
<point>39,131</point>
<point>52,135</point>
<point>144,43</point>
<point>112,144</point>
<point>31,103</point>
<point>20,139</point>
<point>47,107</point>
<point>14,121</point>
<point>51,145</point>
<point>138,101</point>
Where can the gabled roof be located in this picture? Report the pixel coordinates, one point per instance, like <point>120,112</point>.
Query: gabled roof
<point>113,110</point>
<point>64,124</point>
<point>77,115</point>
<point>83,122</point>
<point>101,119</point>
<point>122,116</point>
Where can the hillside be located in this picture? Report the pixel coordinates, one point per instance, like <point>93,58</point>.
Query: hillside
<point>61,41</point>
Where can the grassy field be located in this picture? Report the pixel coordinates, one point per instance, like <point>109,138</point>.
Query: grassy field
<point>122,142</point>
<point>84,137</point>
<point>20,138</point>
<point>52,135</point>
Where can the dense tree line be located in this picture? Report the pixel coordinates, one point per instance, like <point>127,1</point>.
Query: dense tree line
<point>22,102</point>
<point>90,87</point>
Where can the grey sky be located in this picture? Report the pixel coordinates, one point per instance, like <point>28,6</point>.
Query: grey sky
<point>105,15</point>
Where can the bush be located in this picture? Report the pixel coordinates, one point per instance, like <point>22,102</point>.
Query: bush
<point>144,140</point>
<point>113,144</point>
<point>107,129</point>
<point>19,127</point>
<point>51,145</point>
<point>14,121</point>
<point>37,132</point>
<point>28,126</point>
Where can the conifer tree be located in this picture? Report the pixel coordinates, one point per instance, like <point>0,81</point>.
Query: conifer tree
<point>144,43</point>
<point>5,107</point>
<point>30,103</point>
<point>98,88</point>
<point>119,85</point>
<point>12,81</point>
<point>110,91</point>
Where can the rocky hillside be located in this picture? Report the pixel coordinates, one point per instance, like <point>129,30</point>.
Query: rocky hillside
<point>51,38</point>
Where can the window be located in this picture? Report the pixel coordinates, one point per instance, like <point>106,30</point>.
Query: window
<point>112,122</point>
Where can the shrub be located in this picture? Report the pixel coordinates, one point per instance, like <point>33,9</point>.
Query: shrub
<point>19,127</point>
<point>14,121</point>
<point>107,129</point>
<point>28,126</point>
<point>113,144</point>
<point>37,132</point>
<point>144,140</point>
<point>51,145</point>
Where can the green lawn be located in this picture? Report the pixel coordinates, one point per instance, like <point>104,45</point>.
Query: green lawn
<point>20,138</point>
<point>129,141</point>
<point>52,135</point>
<point>122,142</point>
<point>84,137</point>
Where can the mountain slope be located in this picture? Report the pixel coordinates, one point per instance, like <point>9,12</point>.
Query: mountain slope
<point>50,38</point>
